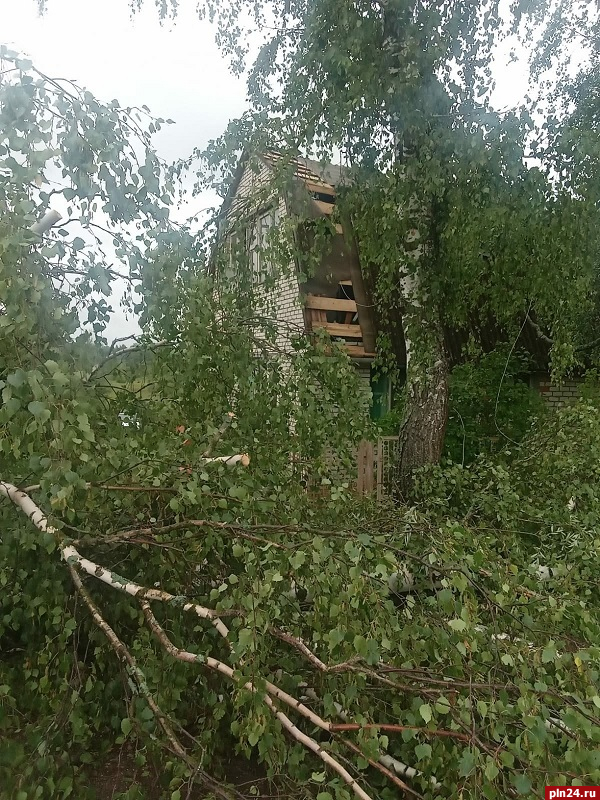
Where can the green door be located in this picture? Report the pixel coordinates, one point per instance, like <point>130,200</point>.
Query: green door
<point>381,390</point>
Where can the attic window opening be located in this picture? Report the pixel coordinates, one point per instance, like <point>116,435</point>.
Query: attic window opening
<point>345,291</point>
<point>324,197</point>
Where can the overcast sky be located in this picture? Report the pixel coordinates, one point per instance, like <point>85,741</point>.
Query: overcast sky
<point>175,68</point>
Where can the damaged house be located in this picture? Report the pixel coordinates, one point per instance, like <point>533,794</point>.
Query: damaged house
<point>329,295</point>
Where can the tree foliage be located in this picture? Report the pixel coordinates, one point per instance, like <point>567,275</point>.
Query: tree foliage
<point>156,595</point>
<point>460,211</point>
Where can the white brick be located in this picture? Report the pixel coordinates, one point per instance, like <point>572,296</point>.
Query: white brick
<point>559,395</point>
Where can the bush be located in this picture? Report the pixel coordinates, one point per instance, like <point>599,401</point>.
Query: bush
<point>491,406</point>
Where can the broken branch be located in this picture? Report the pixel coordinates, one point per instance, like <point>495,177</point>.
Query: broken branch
<point>285,721</point>
<point>140,680</point>
<point>229,417</point>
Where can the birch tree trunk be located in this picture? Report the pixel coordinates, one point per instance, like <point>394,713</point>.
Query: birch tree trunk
<point>423,427</point>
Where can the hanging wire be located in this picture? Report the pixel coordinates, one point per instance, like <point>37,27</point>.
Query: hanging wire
<point>511,351</point>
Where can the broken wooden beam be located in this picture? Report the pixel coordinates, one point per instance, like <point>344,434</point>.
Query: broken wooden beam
<point>329,303</point>
<point>337,329</point>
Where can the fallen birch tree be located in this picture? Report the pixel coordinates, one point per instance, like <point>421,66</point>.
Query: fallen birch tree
<point>321,734</point>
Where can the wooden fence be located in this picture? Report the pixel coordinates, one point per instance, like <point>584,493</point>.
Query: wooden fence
<point>375,462</point>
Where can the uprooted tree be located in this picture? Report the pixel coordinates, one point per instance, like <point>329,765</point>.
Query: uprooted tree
<point>160,516</point>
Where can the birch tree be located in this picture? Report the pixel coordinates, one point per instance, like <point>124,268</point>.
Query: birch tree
<point>460,211</point>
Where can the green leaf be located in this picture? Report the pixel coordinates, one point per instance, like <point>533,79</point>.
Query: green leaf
<point>16,378</point>
<point>147,713</point>
<point>425,712</point>
<point>298,559</point>
<point>467,762</point>
<point>336,637</point>
<point>83,422</point>
<point>373,653</point>
<point>60,378</point>
<point>12,405</point>
<point>360,645</point>
<point>423,751</point>
<point>491,770</point>
<point>442,705</point>
<point>70,625</point>
<point>254,735</point>
<point>37,408</point>
<point>460,581</point>
<point>549,653</point>
<point>126,726</point>
<point>522,784</point>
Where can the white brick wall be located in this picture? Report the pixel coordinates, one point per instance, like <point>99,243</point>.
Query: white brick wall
<point>281,301</point>
<point>364,373</point>
<point>556,395</point>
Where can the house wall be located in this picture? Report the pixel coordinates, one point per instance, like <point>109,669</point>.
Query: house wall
<point>556,395</point>
<point>281,300</point>
<point>364,373</point>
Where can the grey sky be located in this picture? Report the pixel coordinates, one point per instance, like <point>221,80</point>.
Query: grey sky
<point>175,69</point>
